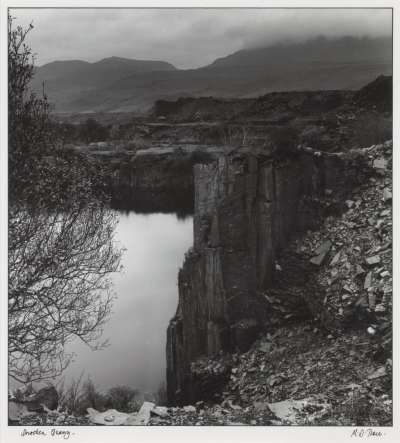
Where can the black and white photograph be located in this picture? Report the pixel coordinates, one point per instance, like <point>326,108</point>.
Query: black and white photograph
<point>198,219</point>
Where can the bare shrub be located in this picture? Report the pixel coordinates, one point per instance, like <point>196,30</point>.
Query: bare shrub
<point>123,399</point>
<point>69,397</point>
<point>60,243</point>
<point>58,286</point>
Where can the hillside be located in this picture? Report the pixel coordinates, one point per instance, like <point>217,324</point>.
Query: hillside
<point>115,84</point>
<point>318,50</point>
<point>66,80</point>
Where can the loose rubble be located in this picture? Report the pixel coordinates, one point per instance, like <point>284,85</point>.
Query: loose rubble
<point>357,283</point>
<point>313,371</point>
<point>302,370</point>
<point>307,377</point>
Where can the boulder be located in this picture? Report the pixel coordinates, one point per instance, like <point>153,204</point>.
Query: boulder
<point>296,411</point>
<point>16,411</point>
<point>380,372</point>
<point>45,397</point>
<point>335,259</point>
<point>142,417</point>
<point>387,195</point>
<point>321,252</point>
<point>111,417</point>
<point>372,261</point>
<point>160,411</point>
<point>368,280</point>
<point>359,270</point>
<point>379,164</point>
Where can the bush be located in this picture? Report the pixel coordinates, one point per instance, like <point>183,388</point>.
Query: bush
<point>79,396</point>
<point>60,235</point>
<point>122,398</point>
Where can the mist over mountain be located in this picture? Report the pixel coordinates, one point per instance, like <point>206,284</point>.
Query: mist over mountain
<point>119,84</point>
<point>318,50</point>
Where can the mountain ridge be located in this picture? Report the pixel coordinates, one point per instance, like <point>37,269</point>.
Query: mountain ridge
<point>121,84</point>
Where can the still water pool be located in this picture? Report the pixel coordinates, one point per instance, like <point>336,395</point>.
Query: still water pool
<point>147,296</point>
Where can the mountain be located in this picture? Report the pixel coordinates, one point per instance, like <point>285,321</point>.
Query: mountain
<point>116,84</point>
<point>66,80</point>
<point>318,50</point>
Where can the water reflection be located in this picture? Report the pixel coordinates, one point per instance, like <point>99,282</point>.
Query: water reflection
<point>148,202</point>
<point>147,298</point>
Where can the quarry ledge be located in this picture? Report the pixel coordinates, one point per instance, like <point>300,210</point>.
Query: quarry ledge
<point>247,209</point>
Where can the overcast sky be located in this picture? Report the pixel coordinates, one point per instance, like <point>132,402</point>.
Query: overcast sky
<point>186,38</point>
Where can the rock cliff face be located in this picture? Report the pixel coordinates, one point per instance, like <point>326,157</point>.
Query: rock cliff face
<point>247,208</point>
<point>152,183</point>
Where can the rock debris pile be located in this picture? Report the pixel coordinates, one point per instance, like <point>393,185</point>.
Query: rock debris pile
<point>353,252</point>
<point>299,375</point>
<point>334,366</point>
<point>327,364</point>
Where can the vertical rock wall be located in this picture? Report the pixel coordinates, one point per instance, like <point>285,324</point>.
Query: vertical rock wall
<point>246,209</point>
<point>152,183</point>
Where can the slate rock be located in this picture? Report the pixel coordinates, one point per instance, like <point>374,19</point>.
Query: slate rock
<point>321,252</point>
<point>142,417</point>
<point>335,259</point>
<point>160,411</point>
<point>359,270</point>
<point>289,410</point>
<point>380,372</point>
<point>368,280</point>
<point>379,164</point>
<point>16,411</point>
<point>324,247</point>
<point>372,261</point>
<point>111,417</point>
<point>371,299</point>
<point>387,195</point>
<point>265,347</point>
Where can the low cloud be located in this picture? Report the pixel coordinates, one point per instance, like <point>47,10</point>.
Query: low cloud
<point>187,38</point>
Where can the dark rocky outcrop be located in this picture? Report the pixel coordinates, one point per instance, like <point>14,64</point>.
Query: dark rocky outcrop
<point>46,398</point>
<point>247,208</point>
<point>152,183</point>
<point>159,179</point>
<point>377,94</point>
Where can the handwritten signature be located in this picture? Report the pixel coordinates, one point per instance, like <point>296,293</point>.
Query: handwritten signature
<point>60,433</point>
<point>366,432</point>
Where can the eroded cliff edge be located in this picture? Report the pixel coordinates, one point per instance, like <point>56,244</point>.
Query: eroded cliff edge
<point>247,208</point>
